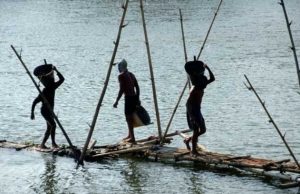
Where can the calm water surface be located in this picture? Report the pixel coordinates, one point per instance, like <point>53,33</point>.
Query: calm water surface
<point>248,37</point>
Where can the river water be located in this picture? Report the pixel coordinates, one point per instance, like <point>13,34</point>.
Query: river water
<point>249,37</point>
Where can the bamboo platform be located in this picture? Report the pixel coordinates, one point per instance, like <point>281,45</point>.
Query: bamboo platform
<point>284,170</point>
<point>62,151</point>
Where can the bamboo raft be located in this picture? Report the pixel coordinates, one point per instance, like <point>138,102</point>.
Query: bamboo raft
<point>284,171</point>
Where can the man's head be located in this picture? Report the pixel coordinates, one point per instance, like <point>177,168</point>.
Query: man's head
<point>47,80</point>
<point>45,74</point>
<point>122,66</point>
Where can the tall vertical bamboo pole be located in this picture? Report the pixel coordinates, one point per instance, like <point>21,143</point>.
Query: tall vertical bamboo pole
<point>288,24</point>
<point>105,85</point>
<point>272,121</point>
<point>183,43</point>
<point>202,47</point>
<point>183,36</point>
<point>151,71</point>
<point>186,84</point>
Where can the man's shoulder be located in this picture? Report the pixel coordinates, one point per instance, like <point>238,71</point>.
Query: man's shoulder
<point>131,74</point>
<point>121,75</point>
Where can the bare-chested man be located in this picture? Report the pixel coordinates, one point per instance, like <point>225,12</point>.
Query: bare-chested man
<point>130,88</point>
<point>196,69</point>
<point>49,93</point>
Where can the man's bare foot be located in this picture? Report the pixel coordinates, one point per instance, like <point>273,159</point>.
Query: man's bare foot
<point>187,141</point>
<point>126,138</point>
<point>151,137</point>
<point>195,153</point>
<point>55,146</point>
<point>131,141</point>
<point>42,146</point>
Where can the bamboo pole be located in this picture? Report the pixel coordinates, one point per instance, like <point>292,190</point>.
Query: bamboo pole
<point>288,24</point>
<point>177,132</point>
<point>183,36</point>
<point>290,185</point>
<point>174,111</point>
<point>184,45</point>
<point>45,101</point>
<point>279,176</point>
<point>209,29</point>
<point>124,151</point>
<point>151,71</point>
<point>272,121</point>
<point>187,83</point>
<point>202,47</point>
<point>105,85</point>
<point>170,134</point>
<point>167,135</point>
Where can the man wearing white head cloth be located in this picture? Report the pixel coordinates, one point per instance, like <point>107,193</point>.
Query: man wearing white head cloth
<point>130,88</point>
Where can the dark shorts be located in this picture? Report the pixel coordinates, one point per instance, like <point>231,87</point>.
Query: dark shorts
<point>195,119</point>
<point>48,116</point>
<point>130,104</point>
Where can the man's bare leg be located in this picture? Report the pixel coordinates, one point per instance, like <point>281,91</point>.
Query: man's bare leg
<point>187,143</point>
<point>46,136</point>
<point>54,145</point>
<point>194,151</point>
<point>129,119</point>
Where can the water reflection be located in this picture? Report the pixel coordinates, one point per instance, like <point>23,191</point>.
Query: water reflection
<point>196,183</point>
<point>134,177</point>
<point>49,179</point>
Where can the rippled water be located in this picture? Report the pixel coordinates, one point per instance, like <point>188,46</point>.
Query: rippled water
<point>248,37</point>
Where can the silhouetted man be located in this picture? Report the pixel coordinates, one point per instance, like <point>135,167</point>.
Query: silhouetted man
<point>196,69</point>
<point>49,93</point>
<point>130,88</point>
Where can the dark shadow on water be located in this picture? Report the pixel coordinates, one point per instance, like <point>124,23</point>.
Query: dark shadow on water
<point>134,176</point>
<point>196,184</point>
<point>49,179</point>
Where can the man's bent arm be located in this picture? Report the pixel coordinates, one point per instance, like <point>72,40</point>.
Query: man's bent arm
<point>211,75</point>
